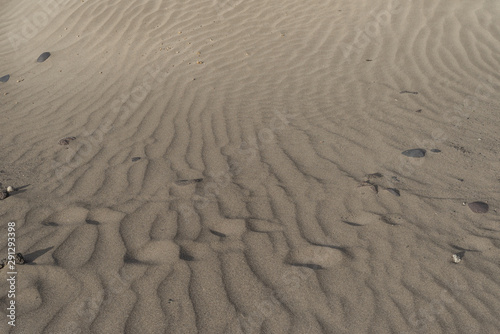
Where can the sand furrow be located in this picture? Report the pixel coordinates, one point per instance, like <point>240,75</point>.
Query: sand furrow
<point>238,167</point>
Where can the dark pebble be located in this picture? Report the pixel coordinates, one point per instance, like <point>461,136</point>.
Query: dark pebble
<point>479,207</point>
<point>5,78</point>
<point>134,159</point>
<point>435,150</point>
<point>407,92</point>
<point>415,153</point>
<point>43,57</point>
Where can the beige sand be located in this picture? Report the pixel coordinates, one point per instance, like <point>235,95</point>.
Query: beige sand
<point>255,123</point>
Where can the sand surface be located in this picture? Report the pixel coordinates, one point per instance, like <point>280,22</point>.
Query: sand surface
<point>237,166</point>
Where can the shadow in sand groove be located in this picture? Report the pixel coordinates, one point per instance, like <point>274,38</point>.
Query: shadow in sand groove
<point>31,257</point>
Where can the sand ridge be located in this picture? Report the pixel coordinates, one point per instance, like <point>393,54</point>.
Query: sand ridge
<point>244,167</point>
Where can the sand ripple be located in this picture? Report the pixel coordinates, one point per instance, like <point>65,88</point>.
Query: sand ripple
<point>255,122</point>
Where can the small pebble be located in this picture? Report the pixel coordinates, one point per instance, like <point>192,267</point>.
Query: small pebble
<point>10,189</point>
<point>479,207</point>
<point>134,159</point>
<point>414,153</point>
<point>5,78</point>
<point>43,57</point>
<point>435,150</point>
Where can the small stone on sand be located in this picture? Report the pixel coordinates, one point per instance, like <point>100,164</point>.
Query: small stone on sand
<point>43,57</point>
<point>5,78</point>
<point>414,153</point>
<point>479,207</point>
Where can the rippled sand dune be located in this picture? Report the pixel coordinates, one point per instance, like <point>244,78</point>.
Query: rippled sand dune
<point>237,166</point>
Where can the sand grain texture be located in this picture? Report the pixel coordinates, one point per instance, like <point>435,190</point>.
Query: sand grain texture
<point>255,123</point>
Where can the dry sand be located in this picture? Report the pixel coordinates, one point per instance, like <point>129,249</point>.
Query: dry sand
<point>257,124</point>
